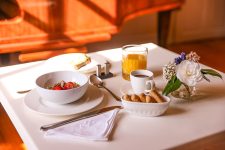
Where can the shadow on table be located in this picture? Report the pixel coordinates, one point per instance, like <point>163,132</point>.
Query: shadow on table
<point>157,71</point>
<point>204,93</point>
<point>118,118</point>
<point>174,111</point>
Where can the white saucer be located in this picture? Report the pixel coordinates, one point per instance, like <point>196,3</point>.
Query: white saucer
<point>126,89</point>
<point>64,62</point>
<point>91,99</point>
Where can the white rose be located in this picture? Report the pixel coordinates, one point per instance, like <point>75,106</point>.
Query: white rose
<point>189,72</point>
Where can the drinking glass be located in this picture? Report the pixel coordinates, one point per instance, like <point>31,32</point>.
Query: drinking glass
<point>134,57</point>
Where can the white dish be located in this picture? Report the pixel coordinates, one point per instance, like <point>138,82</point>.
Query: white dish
<point>64,62</point>
<point>126,89</point>
<point>146,109</point>
<point>91,99</point>
<point>143,109</point>
<point>61,96</point>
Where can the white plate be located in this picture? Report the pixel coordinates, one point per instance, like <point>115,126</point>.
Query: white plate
<point>64,62</point>
<point>126,89</point>
<point>91,99</point>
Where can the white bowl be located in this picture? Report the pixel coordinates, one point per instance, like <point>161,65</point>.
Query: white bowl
<point>61,96</point>
<point>146,109</point>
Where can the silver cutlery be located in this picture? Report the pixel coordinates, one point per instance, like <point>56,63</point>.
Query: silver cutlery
<point>96,81</point>
<point>24,91</point>
<point>80,117</point>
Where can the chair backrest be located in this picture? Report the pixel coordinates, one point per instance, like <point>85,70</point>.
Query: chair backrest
<point>49,26</point>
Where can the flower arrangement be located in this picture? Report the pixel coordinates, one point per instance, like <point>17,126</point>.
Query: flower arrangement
<point>185,70</point>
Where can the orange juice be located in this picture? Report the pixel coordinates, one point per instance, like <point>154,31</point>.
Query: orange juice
<point>132,62</point>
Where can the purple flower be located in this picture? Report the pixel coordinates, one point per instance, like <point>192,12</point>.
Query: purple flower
<point>179,59</point>
<point>183,56</point>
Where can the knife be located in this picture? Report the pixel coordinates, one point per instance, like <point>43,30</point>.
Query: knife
<point>80,117</point>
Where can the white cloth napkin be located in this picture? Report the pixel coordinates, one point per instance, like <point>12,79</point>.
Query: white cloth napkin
<point>97,128</point>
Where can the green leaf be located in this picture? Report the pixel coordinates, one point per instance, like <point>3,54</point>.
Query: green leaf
<point>173,84</point>
<point>211,72</point>
<point>205,78</point>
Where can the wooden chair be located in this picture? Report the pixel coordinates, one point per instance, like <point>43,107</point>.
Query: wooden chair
<point>42,29</point>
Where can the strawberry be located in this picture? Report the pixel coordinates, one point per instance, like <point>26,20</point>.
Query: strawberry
<point>57,87</point>
<point>68,85</point>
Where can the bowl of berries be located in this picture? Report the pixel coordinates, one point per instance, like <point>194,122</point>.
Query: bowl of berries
<point>62,87</point>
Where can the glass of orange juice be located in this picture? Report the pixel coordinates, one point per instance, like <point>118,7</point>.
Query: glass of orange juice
<point>134,57</point>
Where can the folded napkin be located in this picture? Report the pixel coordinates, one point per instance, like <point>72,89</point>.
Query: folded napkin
<point>96,128</point>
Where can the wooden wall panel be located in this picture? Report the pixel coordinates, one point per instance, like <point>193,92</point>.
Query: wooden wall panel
<point>198,20</point>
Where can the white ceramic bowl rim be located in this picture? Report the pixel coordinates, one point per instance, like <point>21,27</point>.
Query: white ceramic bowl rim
<point>41,76</point>
<point>168,100</point>
<point>146,109</point>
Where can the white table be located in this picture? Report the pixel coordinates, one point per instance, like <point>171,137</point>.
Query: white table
<point>183,122</point>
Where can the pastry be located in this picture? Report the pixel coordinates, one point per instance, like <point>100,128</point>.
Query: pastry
<point>157,96</point>
<point>81,61</point>
<point>150,99</point>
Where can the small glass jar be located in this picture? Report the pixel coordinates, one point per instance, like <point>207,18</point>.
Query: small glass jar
<point>134,57</point>
<point>185,93</point>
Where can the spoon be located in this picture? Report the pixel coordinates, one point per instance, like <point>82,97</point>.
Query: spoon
<point>22,92</point>
<point>96,81</point>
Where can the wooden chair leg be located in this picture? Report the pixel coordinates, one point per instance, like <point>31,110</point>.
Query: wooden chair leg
<point>9,138</point>
<point>163,27</point>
